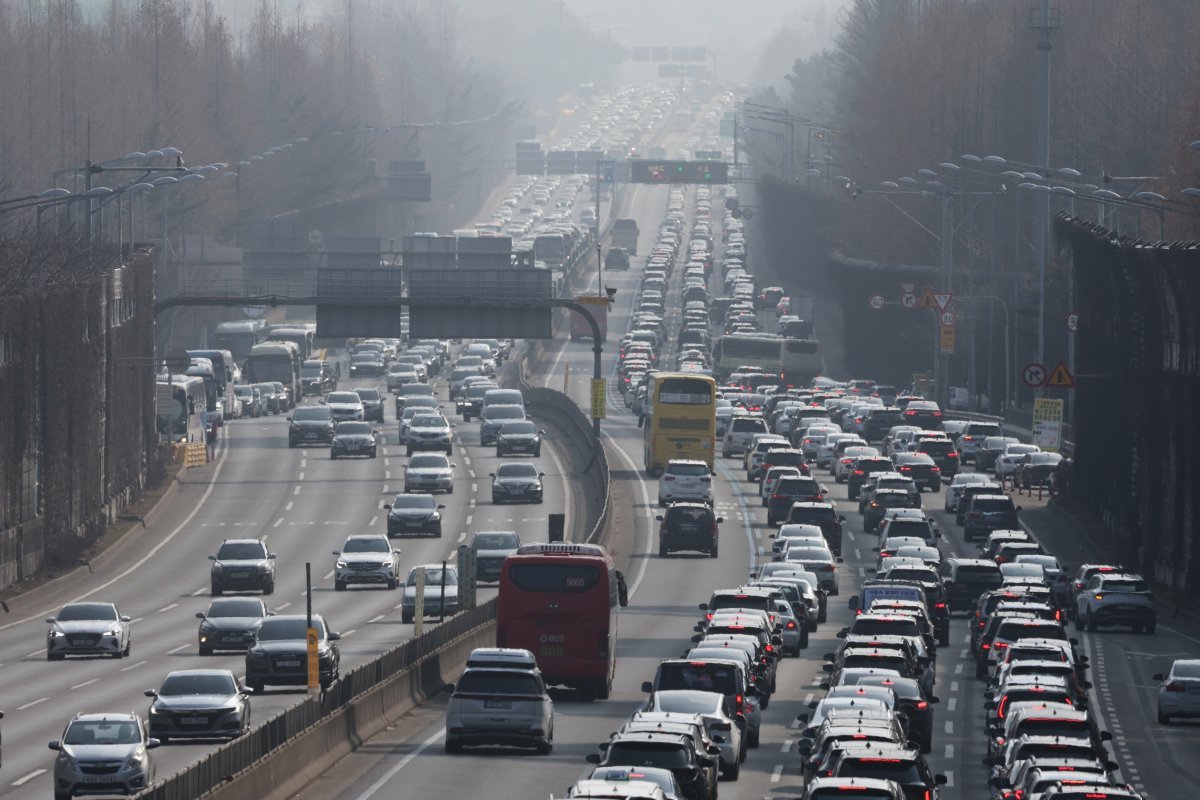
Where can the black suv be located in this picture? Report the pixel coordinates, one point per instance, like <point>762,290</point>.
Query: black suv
<point>243,565</point>
<point>696,771</point>
<point>941,450</point>
<point>864,467</point>
<point>791,490</point>
<point>372,402</point>
<point>989,512</point>
<point>879,421</point>
<point>688,526</point>
<point>825,517</point>
<point>280,655</point>
<point>310,424</point>
<point>921,468</point>
<point>966,579</point>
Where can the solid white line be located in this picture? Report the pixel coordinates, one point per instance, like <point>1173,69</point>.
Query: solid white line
<point>168,608</point>
<point>132,666</point>
<point>644,561</point>
<point>175,650</point>
<point>27,778</point>
<point>85,683</point>
<point>370,791</point>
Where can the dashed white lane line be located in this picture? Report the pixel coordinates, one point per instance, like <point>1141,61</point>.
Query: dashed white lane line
<point>132,666</point>
<point>27,778</point>
<point>136,620</point>
<point>204,589</point>
<point>472,503</point>
<point>952,704</point>
<point>374,519</point>
<point>290,504</point>
<point>786,747</point>
<point>471,474</point>
<point>462,536</point>
<point>181,647</point>
<point>387,462</point>
<point>777,773</point>
<point>375,619</point>
<point>949,751</point>
<point>850,536</point>
<point>857,553</point>
<point>32,703</point>
<point>382,503</point>
<point>949,779</point>
<point>296,490</point>
<point>347,633</point>
<point>278,522</point>
<point>387,474</point>
<point>466,459</point>
<point>474,488</point>
<point>85,683</point>
<point>300,477</point>
<point>283,606</point>
<point>167,608</point>
<point>467,521</point>
<point>949,726</point>
<point>958,669</point>
<point>328,575</point>
<point>808,698</point>
<point>386,489</point>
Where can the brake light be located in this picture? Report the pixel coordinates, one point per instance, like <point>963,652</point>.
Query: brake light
<point>922,705</point>
<point>939,605</point>
<point>910,413</point>
<point>935,468</point>
<point>791,626</point>
<point>770,648</point>
<point>739,701</point>
<point>952,454</point>
<point>859,472</point>
<point>1001,645</point>
<point>1175,687</point>
<point>985,646</point>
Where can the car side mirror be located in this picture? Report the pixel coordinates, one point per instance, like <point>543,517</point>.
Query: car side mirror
<point>828,668</point>
<point>210,558</point>
<point>333,637</point>
<point>150,693</point>
<point>593,758</point>
<point>802,719</point>
<point>541,474</point>
<point>246,690</point>
<point>697,638</point>
<point>388,506</point>
<point>125,618</point>
<point>448,688</point>
<point>703,606</point>
<point>200,615</point>
<point>658,517</point>
<point>440,506</point>
<point>1105,736</point>
<point>647,687</point>
<point>270,555</point>
<point>990,705</point>
<point>838,559</point>
<point>491,474</point>
<point>1158,676</point>
<point>289,419</point>
<point>720,519</point>
<point>336,552</point>
<point>698,628</point>
<point>55,745</point>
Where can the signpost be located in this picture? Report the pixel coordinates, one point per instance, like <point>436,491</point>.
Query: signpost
<point>311,635</point>
<point>908,300</point>
<point>1060,377</point>
<point>598,398</point>
<point>947,340</point>
<point>1047,423</point>
<point>876,301</point>
<point>948,319</point>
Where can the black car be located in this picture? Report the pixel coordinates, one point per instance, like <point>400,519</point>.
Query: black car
<point>791,490</point>
<point>243,565</point>
<point>688,526</point>
<point>353,439</point>
<point>924,414</point>
<point>490,549</point>
<point>862,468</point>
<point>942,451</point>
<point>310,424</point>
<point>372,402</point>
<point>517,482</point>
<point>317,377</point>
<point>989,512</point>
<point>519,437</point>
<point>880,420</point>
<point>921,468</point>
<point>825,517</point>
<point>231,623</point>
<point>199,704</point>
<point>414,515</point>
<point>370,363</point>
<point>696,771</point>
<point>966,579</point>
<point>280,656</point>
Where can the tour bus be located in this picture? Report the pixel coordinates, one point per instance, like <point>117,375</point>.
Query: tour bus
<point>226,371</point>
<point>679,419</point>
<point>203,369</point>
<point>179,407</point>
<point>238,337</point>
<point>299,334</point>
<point>560,602</point>
<point>275,361</point>
<point>796,361</point>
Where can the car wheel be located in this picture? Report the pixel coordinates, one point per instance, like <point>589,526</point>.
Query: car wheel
<point>205,651</point>
<point>392,584</point>
<point>332,456</point>
<point>1164,719</point>
<point>732,772</point>
<point>339,586</point>
<point>63,795</point>
<point>216,590</point>
<point>822,615</point>
<point>712,552</point>
<point>373,453</point>
<point>544,747</point>
<point>537,453</point>
<point>663,552</point>
<point>981,669</point>
<point>408,451</point>
<point>1150,627</point>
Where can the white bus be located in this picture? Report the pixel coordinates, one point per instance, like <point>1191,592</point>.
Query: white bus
<point>796,361</point>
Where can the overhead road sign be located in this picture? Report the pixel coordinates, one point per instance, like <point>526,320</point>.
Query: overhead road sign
<point>1034,375</point>
<point>663,171</point>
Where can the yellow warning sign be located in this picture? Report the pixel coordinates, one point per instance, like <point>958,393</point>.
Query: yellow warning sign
<point>927,300</point>
<point>591,300</point>
<point>947,340</point>
<point>598,404</point>
<point>1060,377</point>
<point>314,660</point>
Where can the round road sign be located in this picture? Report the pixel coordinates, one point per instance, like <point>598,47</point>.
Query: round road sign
<point>1034,375</point>
<point>948,319</point>
<point>876,301</point>
<point>908,300</point>
<point>1072,322</point>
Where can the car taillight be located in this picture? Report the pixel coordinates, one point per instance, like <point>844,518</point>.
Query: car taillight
<point>1175,687</point>
<point>769,648</point>
<point>922,705</point>
<point>791,625</point>
<point>859,472</point>
<point>739,701</point>
<point>706,479</point>
<point>910,413</point>
<point>939,605</point>
<point>906,469</point>
<point>952,454</point>
<point>935,468</point>
<point>708,616</point>
<point>985,646</point>
<point>1001,646</point>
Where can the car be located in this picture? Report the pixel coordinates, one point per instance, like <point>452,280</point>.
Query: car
<point>270,400</point>
<point>345,406</point>
<point>88,628</point>
<point>863,467</point>
<point>1179,690</point>
<point>989,512</point>
<point>1116,599</point>
<point>499,706</point>
<point>921,468</point>
<point>429,472</point>
<point>685,479</point>
<point>406,391</point>
<point>519,437</point>
<point>877,760</point>
<point>279,657</point>
<point>318,377</point>
<point>366,558</point>
<point>689,526</point>
<point>440,597</point>
<point>492,418</point>
<point>955,490</point>
<point>242,565</point>
<point>400,374</point>
<point>310,424</point>
<point>911,700</point>
<point>825,516</point>
<point>368,363</point>
<point>825,788</point>
<point>881,501</point>
<point>739,433</point>
<point>970,490</point>
<point>843,465</point>
<point>720,720</point>
<point>940,449</point>
<point>230,623</point>
<point>517,482</point>
<point>974,435</point>
<point>353,439</point>
<point>199,704</point>
<point>1036,469</point>
<point>695,770</point>
<point>490,549</point>
<point>991,448</point>
<point>428,431</point>
<point>965,579</point>
<point>103,754</point>
<point>414,514</point>
<point>790,490</point>
<point>250,399</point>
<point>623,789</point>
<point>1006,463</point>
<point>372,402</point>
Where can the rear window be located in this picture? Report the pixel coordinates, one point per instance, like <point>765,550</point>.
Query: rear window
<point>482,682</point>
<point>978,574</point>
<point>553,577</point>
<point>909,527</point>
<point>978,429</point>
<point>886,418</point>
<point>1011,631</point>
<point>648,754</point>
<point>688,469</point>
<point>935,448</point>
<point>720,678</point>
<point>738,601</point>
<point>885,627</point>
<point>748,425</point>
<point>677,515</point>
<point>858,793</point>
<point>993,505</point>
<point>901,770</point>
<point>811,516</point>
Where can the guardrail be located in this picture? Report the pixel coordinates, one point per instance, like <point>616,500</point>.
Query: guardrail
<point>1018,422</point>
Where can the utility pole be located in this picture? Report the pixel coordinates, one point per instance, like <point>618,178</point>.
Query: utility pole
<point>1044,21</point>
<point>947,264</point>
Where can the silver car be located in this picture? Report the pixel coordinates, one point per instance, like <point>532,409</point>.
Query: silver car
<point>428,431</point>
<point>103,754</point>
<point>366,558</point>
<point>1179,690</point>
<point>88,629</point>
<point>345,406</point>
<point>429,472</point>
<point>440,595</point>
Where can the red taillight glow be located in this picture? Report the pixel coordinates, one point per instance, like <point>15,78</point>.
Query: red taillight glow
<point>1175,687</point>
<point>922,705</point>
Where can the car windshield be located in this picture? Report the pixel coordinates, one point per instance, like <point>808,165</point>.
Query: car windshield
<point>366,545</point>
<point>504,412</point>
<point>432,461</point>
<point>516,471</point>
<point>102,732</point>
<point>84,611</point>
<point>901,770</point>
<point>233,551</point>
<point>311,413</point>
<point>433,576</point>
<point>245,391</point>
<point>498,682</point>
<point>518,428</point>
<point>199,684</point>
<point>235,607</point>
<point>428,421</point>
<point>894,626</point>
<point>496,541</point>
<point>313,371</point>
<point>353,428</point>
<point>414,501</point>
<point>275,629</point>
<point>367,394</point>
<point>648,754</point>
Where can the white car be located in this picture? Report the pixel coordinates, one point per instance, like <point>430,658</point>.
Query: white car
<point>961,481</point>
<point>1179,690</point>
<point>490,706</point>
<point>826,450</point>
<point>344,406</point>
<point>1116,598</point>
<point>685,479</point>
<point>1006,464</point>
<point>772,477</point>
<point>366,558</point>
<point>88,629</point>
<point>715,708</point>
<point>844,465</point>
<point>428,431</point>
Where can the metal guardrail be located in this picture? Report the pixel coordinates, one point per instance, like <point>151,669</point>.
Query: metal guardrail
<point>238,755</point>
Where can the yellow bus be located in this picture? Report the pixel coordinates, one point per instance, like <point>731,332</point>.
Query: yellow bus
<point>680,419</point>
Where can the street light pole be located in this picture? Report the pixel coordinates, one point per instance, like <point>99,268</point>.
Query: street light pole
<point>1044,21</point>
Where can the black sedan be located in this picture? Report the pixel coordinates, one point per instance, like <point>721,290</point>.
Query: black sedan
<point>517,482</point>
<point>519,437</point>
<point>199,704</point>
<point>231,623</point>
<point>353,439</point>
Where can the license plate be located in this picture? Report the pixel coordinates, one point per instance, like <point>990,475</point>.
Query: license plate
<point>193,720</point>
<point>231,638</point>
<point>552,650</point>
<point>81,642</point>
<point>497,704</point>
<point>288,663</point>
<point>101,779</point>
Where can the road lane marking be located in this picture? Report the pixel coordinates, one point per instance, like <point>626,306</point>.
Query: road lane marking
<point>168,608</point>
<point>949,751</point>
<point>32,703</point>
<point>777,774</point>
<point>387,462</point>
<point>958,669</point>
<point>27,778</point>
<point>347,633</point>
<point>374,519</point>
<point>786,747</point>
<point>382,503</point>
<point>462,536</point>
<point>952,703</point>
<point>949,726</point>
<point>467,521</point>
<point>387,474</point>
<point>949,778</point>
<point>282,607</point>
<point>300,477</point>
<point>278,522</point>
<point>471,474</point>
<point>386,490</point>
<point>289,505</point>
<point>132,666</point>
<point>204,589</point>
<point>328,575</point>
<point>135,620</point>
<point>175,650</point>
<point>474,488</point>
<point>857,553</point>
<point>386,777</point>
<point>297,490</point>
<point>375,619</point>
<point>85,683</point>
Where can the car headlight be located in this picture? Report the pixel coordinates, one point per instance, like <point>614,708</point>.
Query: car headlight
<point>136,760</point>
<point>341,564</point>
<point>264,567</point>
<point>217,566</point>
<point>385,564</point>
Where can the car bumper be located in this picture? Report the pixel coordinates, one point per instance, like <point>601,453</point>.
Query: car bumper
<point>227,641</point>
<point>364,450</point>
<point>669,496</point>
<point>272,677</point>
<point>1109,615</point>
<point>84,646</point>
<point>1179,704</point>
<point>427,444</point>
<point>395,528</point>
<point>378,576</point>
<point>243,583</point>
<point>323,438</point>
<point>518,447</point>
<point>513,737</point>
<point>433,608</point>
<point>174,726</point>
<point>121,782</point>
<point>439,485</point>
<point>499,496</point>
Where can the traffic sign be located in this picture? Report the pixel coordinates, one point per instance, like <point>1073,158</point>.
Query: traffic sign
<point>948,319</point>
<point>947,341</point>
<point>876,301</point>
<point>610,170</point>
<point>1034,375</point>
<point>312,638</point>
<point>908,287</point>
<point>942,298</point>
<point>908,300</point>
<point>1047,423</point>
<point>927,300</point>
<point>1073,322</point>
<point>1061,377</point>
<point>598,404</point>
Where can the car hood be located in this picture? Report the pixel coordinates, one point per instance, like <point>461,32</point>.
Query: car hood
<point>181,702</point>
<point>429,472</point>
<point>413,513</point>
<point>427,431</point>
<point>365,558</point>
<point>100,752</point>
<point>354,438</point>
<point>432,591</point>
<point>495,553</point>
<point>514,482</point>
<point>87,626</point>
<point>284,646</point>
<point>241,563</point>
<point>312,423</point>
<point>232,623</point>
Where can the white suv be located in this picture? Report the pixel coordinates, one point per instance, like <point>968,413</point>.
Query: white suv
<point>685,479</point>
<point>496,706</point>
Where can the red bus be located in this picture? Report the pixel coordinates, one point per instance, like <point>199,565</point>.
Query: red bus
<point>560,601</point>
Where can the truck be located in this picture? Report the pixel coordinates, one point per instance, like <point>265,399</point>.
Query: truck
<point>580,329</point>
<point>625,234</point>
